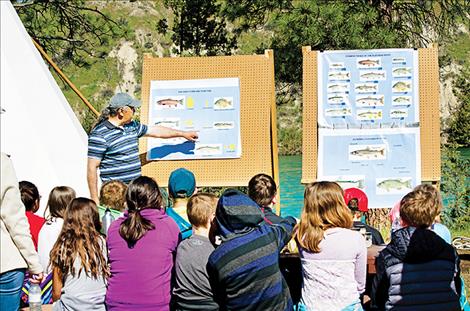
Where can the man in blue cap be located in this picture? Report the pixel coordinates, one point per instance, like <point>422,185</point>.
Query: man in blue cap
<point>113,143</point>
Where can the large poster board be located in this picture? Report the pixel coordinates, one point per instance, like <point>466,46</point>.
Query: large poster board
<point>368,123</point>
<point>368,88</point>
<point>258,136</point>
<point>396,128</point>
<point>209,106</point>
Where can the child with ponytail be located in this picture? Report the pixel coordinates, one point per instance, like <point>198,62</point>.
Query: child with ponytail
<point>142,246</point>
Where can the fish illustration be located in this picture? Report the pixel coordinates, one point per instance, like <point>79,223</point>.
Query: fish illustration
<point>394,184</point>
<point>370,114</point>
<point>351,183</point>
<point>402,71</point>
<point>373,75</point>
<point>208,148</point>
<point>336,65</point>
<point>338,112</point>
<point>170,102</point>
<point>223,125</point>
<point>369,152</point>
<point>369,62</point>
<point>401,100</point>
<point>339,75</point>
<point>167,123</point>
<point>398,60</point>
<point>337,87</point>
<point>371,101</point>
<point>401,86</point>
<point>336,99</point>
<point>366,88</point>
<point>398,113</point>
<point>223,103</point>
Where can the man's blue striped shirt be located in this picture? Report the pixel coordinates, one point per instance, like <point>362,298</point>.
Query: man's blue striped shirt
<point>118,150</point>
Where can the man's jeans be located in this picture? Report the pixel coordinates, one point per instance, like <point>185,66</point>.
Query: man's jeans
<point>10,289</point>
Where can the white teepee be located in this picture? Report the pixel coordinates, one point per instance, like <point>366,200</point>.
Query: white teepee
<point>39,130</point>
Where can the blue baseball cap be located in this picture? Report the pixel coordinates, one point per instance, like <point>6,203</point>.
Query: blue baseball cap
<point>123,99</point>
<point>181,183</point>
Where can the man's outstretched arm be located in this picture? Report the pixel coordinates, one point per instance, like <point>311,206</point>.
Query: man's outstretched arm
<point>158,131</point>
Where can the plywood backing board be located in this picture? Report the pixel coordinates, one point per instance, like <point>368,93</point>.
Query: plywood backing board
<point>257,106</point>
<point>309,126</point>
<point>428,109</point>
<point>429,114</point>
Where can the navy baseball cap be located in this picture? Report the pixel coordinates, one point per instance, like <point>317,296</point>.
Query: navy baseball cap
<point>123,99</point>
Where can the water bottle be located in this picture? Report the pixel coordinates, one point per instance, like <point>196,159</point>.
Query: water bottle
<point>35,300</point>
<point>107,220</point>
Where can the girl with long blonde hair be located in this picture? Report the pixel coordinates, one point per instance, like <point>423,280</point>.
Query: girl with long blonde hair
<point>79,260</point>
<point>333,256</point>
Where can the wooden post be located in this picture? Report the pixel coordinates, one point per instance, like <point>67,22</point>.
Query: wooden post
<point>57,69</point>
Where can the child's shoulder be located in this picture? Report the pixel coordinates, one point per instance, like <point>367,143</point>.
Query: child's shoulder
<point>195,243</point>
<point>170,222</point>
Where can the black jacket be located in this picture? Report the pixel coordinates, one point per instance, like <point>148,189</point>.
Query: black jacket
<point>376,236</point>
<point>417,271</point>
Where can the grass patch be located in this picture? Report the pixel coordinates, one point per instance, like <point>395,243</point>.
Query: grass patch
<point>465,232</point>
<point>459,50</point>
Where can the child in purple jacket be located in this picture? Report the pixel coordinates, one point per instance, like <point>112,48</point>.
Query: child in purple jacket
<point>142,246</point>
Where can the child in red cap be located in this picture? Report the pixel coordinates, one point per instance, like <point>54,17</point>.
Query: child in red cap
<point>357,201</point>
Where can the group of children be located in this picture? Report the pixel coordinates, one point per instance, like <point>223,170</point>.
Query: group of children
<point>231,260</point>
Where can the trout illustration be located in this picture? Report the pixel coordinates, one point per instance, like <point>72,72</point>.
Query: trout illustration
<point>338,112</point>
<point>208,148</point>
<point>337,87</point>
<point>170,102</point>
<point>223,125</point>
<point>167,123</point>
<point>370,114</point>
<point>369,62</point>
<point>371,101</point>
<point>339,75</point>
<point>336,65</point>
<point>366,88</point>
<point>394,184</point>
<point>398,60</point>
<point>351,183</point>
<point>398,113</point>
<point>369,152</point>
<point>373,75</point>
<point>336,99</point>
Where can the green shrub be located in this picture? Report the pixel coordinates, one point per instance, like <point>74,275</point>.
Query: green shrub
<point>455,187</point>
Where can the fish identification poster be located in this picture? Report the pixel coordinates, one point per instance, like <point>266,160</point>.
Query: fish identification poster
<point>209,106</point>
<point>368,122</point>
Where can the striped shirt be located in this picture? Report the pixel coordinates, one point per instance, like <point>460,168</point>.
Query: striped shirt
<point>244,270</point>
<point>118,150</point>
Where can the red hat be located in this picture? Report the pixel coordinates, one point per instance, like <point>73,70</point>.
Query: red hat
<point>359,195</point>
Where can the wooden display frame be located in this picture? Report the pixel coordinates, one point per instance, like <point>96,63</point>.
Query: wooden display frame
<point>428,114</point>
<point>257,117</point>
